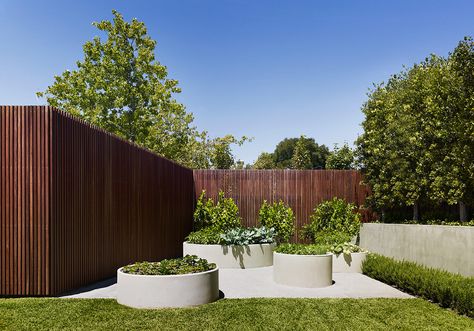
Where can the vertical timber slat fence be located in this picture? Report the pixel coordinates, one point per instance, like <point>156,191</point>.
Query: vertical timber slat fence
<point>301,189</point>
<point>76,202</point>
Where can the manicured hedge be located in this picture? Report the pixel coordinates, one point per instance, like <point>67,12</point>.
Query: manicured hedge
<point>447,289</point>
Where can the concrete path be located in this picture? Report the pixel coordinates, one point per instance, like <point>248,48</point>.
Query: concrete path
<point>258,283</point>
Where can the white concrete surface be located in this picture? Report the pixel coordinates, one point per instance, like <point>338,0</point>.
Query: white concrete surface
<point>258,282</point>
<point>348,262</point>
<point>444,247</point>
<point>167,291</point>
<point>233,256</point>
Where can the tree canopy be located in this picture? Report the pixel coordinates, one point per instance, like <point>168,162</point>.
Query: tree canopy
<point>341,158</point>
<point>418,140</point>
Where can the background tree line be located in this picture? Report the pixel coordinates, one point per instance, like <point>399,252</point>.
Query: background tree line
<point>417,147</point>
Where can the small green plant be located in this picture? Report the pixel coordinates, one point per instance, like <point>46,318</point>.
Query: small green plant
<point>334,220</point>
<point>222,215</point>
<point>185,265</point>
<point>447,289</point>
<point>278,216</point>
<point>345,248</point>
<point>241,236</point>
<point>205,236</point>
<point>302,249</point>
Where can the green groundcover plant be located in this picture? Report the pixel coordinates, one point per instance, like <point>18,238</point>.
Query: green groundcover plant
<point>302,249</point>
<point>205,236</point>
<point>438,222</point>
<point>278,216</point>
<point>188,264</point>
<point>447,289</point>
<point>248,236</point>
<point>345,248</point>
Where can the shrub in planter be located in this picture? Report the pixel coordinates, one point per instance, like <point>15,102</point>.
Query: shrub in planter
<point>335,220</point>
<point>182,282</point>
<point>278,216</point>
<point>447,289</point>
<point>302,265</point>
<point>345,248</point>
<point>347,257</point>
<point>205,236</point>
<point>222,215</point>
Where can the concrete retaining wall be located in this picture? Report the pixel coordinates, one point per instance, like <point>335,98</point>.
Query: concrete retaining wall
<point>445,247</point>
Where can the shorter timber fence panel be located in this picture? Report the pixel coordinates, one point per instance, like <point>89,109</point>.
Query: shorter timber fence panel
<point>78,202</point>
<point>301,189</point>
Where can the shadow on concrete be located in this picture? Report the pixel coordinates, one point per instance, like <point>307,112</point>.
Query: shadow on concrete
<point>96,286</point>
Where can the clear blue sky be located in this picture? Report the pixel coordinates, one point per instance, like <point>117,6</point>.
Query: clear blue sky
<point>266,69</point>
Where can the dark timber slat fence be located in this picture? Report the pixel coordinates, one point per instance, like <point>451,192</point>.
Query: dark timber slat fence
<point>301,189</point>
<point>76,202</point>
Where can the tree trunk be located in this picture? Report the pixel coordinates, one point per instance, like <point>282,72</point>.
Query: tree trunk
<point>416,211</point>
<point>462,211</point>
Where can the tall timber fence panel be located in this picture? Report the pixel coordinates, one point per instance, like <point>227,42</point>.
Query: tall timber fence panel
<point>76,202</point>
<point>301,189</point>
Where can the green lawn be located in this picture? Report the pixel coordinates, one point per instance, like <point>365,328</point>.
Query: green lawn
<point>233,314</point>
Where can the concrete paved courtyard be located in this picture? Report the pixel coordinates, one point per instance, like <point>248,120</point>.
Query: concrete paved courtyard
<point>258,283</point>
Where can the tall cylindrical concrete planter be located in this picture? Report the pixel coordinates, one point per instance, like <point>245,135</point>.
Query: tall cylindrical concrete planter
<point>302,270</point>
<point>348,262</point>
<point>233,256</point>
<point>167,291</point>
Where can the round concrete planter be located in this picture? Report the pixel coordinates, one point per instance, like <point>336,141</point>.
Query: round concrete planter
<point>302,270</point>
<point>233,256</point>
<point>143,291</point>
<point>348,263</point>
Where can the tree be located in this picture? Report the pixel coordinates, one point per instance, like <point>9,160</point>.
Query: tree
<point>221,152</point>
<point>340,158</point>
<point>284,151</point>
<point>264,161</point>
<point>121,87</point>
<point>301,156</point>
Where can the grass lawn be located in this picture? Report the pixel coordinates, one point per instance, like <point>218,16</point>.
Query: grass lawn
<point>232,314</point>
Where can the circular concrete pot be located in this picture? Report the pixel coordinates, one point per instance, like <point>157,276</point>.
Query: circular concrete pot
<point>233,256</point>
<point>167,291</point>
<point>348,262</point>
<point>302,270</point>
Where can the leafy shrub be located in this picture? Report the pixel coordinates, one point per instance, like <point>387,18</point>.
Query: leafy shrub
<point>241,236</point>
<point>447,289</point>
<point>345,248</point>
<point>278,216</point>
<point>333,220</point>
<point>188,264</point>
<point>438,222</point>
<point>205,236</point>
<point>302,249</point>
<point>223,215</point>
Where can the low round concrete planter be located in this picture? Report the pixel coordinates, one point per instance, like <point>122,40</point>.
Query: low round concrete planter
<point>233,256</point>
<point>302,270</point>
<point>348,263</point>
<point>143,291</point>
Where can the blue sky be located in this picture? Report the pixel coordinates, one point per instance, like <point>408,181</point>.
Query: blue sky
<point>265,69</point>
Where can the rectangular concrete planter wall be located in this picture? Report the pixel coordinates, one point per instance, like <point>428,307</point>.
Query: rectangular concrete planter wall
<point>444,247</point>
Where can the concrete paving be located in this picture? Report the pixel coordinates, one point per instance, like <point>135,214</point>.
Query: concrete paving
<point>258,283</point>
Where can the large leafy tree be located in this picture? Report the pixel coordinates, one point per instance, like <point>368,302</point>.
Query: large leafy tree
<point>341,158</point>
<point>285,149</point>
<point>264,161</point>
<point>301,156</point>
<point>221,156</point>
<point>120,86</point>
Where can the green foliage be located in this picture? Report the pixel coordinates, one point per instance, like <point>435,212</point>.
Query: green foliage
<point>205,236</point>
<point>345,248</point>
<point>302,249</point>
<point>188,264</point>
<point>278,216</point>
<point>332,221</point>
<point>247,236</point>
<point>221,156</point>
<point>264,161</point>
<point>284,152</point>
<point>341,158</point>
<point>222,215</point>
<point>447,289</point>
<point>439,222</point>
<point>418,144</point>
<point>301,158</point>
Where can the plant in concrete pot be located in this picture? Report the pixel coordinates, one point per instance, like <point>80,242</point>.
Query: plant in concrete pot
<point>181,282</point>
<point>302,265</point>
<point>280,217</point>
<point>347,257</point>
<point>221,239</point>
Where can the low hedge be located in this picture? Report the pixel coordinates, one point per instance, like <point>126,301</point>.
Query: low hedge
<point>444,288</point>
<point>302,249</point>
